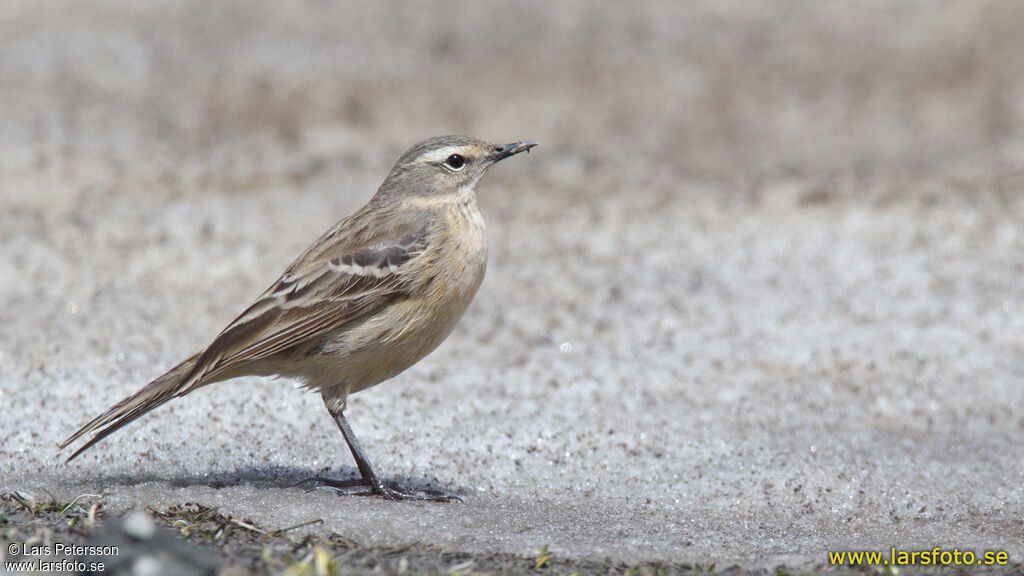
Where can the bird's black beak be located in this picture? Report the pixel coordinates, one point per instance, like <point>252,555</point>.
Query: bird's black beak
<point>505,150</point>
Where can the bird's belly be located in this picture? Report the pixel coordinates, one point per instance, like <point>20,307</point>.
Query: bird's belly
<point>383,345</point>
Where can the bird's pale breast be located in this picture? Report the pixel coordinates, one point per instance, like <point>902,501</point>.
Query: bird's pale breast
<point>371,350</point>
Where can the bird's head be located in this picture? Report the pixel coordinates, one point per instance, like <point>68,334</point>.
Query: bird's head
<point>446,165</point>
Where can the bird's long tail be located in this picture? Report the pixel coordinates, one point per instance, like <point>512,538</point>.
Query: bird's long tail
<point>174,383</point>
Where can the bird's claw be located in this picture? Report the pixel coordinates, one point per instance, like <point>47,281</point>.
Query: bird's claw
<point>376,487</point>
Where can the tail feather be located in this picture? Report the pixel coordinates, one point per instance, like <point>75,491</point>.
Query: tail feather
<point>174,383</point>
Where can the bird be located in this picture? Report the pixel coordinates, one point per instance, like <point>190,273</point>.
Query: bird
<point>369,298</point>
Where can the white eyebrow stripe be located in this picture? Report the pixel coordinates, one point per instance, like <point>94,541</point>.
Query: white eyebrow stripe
<point>441,153</point>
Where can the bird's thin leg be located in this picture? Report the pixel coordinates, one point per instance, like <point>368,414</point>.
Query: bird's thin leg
<point>369,476</point>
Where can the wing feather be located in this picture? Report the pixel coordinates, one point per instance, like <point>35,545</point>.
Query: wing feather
<point>305,304</point>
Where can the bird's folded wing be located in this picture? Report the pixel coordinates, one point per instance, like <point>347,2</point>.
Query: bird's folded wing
<point>310,301</point>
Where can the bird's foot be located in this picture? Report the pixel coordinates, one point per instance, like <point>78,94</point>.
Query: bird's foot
<point>396,492</point>
<point>377,487</point>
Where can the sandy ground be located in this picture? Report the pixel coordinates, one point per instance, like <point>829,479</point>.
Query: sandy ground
<point>758,295</point>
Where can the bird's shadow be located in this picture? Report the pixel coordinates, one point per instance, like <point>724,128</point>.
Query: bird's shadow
<point>272,477</point>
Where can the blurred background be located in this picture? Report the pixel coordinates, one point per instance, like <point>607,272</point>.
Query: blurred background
<point>182,97</point>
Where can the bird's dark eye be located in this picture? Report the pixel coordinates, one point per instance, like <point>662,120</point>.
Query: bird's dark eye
<point>455,161</point>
